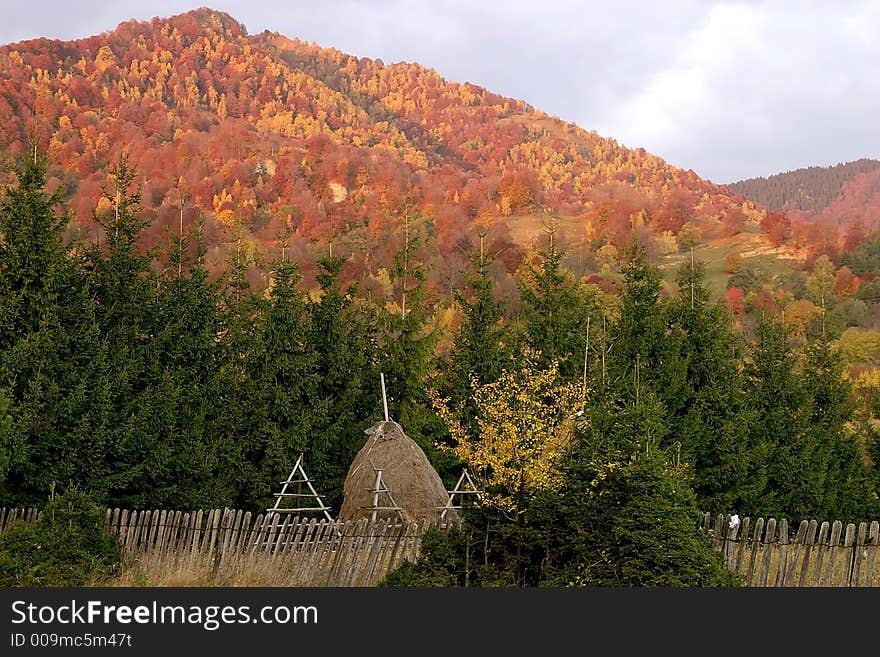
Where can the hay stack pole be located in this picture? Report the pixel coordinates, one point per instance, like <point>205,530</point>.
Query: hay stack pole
<point>384,396</point>
<point>376,486</point>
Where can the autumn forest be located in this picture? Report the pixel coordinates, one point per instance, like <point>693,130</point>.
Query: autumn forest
<point>212,244</point>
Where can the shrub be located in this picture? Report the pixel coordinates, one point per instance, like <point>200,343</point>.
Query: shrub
<point>67,546</point>
<point>635,526</point>
<point>438,565</point>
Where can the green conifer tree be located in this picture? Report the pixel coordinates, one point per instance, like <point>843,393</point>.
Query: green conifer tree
<point>283,372</point>
<point>555,310</point>
<point>837,484</point>
<point>342,333</point>
<point>708,418</point>
<point>44,323</point>
<point>479,349</point>
<point>781,408</point>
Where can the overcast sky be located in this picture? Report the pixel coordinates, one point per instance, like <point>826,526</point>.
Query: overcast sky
<point>729,89</point>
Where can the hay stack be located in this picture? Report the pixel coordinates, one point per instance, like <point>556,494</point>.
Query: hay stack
<point>406,471</point>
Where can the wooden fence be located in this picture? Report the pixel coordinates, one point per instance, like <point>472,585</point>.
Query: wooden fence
<point>768,553</point>
<point>237,548</point>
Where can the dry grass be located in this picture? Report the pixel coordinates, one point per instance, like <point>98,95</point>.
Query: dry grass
<point>348,561</point>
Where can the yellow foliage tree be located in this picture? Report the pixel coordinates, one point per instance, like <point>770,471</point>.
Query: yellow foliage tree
<point>865,382</point>
<point>689,235</point>
<point>522,428</point>
<point>733,262</point>
<point>606,257</point>
<point>860,346</point>
<point>798,315</point>
<point>821,282</point>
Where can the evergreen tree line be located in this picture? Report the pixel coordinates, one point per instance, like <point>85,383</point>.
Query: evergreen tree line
<point>810,189</point>
<point>763,428</point>
<point>678,414</point>
<point>169,389</point>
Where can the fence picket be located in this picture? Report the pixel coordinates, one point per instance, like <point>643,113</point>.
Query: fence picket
<point>848,553</point>
<point>160,525</point>
<point>718,533</point>
<point>767,551</point>
<point>796,552</point>
<point>834,550</point>
<point>392,535</point>
<point>317,552</point>
<point>303,552</point>
<point>859,554</point>
<point>112,520</point>
<point>361,530</point>
<point>171,533</point>
<point>289,556</point>
<point>275,540</point>
<point>375,547</point>
<point>130,527</point>
<point>182,536</point>
<point>808,549</point>
<point>230,537</point>
<point>195,524</point>
<point>756,546</point>
<point>874,546</point>
<point>143,529</point>
<point>741,544</point>
<point>822,549</point>
<point>336,552</point>
<point>122,527</point>
<point>782,566</point>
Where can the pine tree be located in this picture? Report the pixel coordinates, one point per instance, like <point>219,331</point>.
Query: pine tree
<point>837,483</point>
<point>7,448</point>
<point>34,268</point>
<point>634,524</point>
<point>781,408</point>
<point>555,311</point>
<point>123,286</point>
<point>406,344</point>
<point>644,351</point>
<point>479,350</point>
<point>342,333</point>
<point>187,462</point>
<point>235,392</point>
<point>282,367</point>
<point>44,321</point>
<point>708,418</point>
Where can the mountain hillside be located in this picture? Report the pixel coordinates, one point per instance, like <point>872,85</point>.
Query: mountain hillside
<point>831,209</point>
<point>810,190</point>
<point>265,136</point>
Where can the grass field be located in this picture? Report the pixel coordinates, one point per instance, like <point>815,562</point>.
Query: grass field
<point>527,229</point>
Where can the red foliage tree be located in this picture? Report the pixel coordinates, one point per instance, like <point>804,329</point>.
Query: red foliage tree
<point>735,302</point>
<point>733,221</point>
<point>676,210</point>
<point>777,227</point>
<point>855,234</point>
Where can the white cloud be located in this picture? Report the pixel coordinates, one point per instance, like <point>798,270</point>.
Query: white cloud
<point>762,88</point>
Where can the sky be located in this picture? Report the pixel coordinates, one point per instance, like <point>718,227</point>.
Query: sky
<point>731,90</point>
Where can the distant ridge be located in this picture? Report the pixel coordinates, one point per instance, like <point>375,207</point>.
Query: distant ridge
<point>809,190</point>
